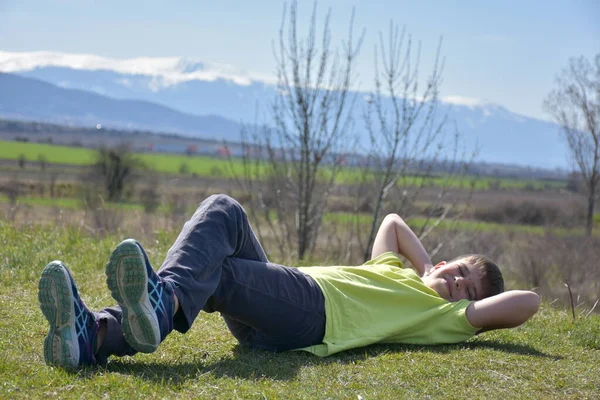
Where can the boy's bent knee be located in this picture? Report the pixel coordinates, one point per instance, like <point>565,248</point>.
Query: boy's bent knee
<point>222,199</point>
<point>221,202</point>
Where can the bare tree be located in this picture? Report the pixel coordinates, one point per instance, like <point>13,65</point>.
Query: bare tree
<point>255,180</point>
<point>407,136</point>
<point>575,105</point>
<point>311,120</point>
<point>115,168</point>
<point>312,115</point>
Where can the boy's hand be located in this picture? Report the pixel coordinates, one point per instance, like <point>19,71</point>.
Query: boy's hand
<point>427,268</point>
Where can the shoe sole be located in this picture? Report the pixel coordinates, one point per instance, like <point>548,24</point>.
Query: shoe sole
<point>61,347</point>
<point>127,280</point>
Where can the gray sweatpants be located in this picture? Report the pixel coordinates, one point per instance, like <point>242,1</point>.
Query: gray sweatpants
<point>217,264</point>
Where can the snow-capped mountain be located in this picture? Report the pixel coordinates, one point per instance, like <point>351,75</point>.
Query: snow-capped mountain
<point>197,88</point>
<point>167,71</point>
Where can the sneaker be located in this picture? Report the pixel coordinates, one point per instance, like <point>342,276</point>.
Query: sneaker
<point>146,300</point>
<point>71,341</point>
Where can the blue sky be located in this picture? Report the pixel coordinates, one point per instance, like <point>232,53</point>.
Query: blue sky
<point>504,52</point>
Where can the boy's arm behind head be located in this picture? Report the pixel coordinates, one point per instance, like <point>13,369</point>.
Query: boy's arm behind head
<point>395,235</point>
<point>505,310</point>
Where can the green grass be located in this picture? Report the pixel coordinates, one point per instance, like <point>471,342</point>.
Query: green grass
<point>222,168</point>
<point>549,357</point>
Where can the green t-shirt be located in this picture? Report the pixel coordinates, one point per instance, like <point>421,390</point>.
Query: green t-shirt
<point>381,301</point>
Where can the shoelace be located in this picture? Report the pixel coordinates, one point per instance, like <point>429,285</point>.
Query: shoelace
<point>81,320</point>
<point>156,297</point>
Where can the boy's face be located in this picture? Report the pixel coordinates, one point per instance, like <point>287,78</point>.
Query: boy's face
<point>455,281</point>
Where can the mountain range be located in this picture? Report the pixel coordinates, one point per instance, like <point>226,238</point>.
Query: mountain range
<point>210,101</point>
<point>34,100</point>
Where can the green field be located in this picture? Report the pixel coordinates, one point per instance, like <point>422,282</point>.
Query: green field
<point>166,163</point>
<point>465,182</point>
<point>331,217</point>
<point>462,225</point>
<point>54,154</point>
<point>67,203</point>
<point>64,203</point>
<point>550,357</point>
<point>222,168</point>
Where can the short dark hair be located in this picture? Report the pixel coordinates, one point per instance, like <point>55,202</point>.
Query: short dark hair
<point>492,280</point>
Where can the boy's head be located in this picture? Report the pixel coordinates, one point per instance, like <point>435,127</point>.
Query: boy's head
<point>471,277</point>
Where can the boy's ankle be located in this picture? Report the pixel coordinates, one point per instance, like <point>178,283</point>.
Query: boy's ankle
<point>100,336</point>
<point>175,304</point>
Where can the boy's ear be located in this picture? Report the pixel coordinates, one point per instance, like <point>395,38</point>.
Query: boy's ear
<point>439,265</point>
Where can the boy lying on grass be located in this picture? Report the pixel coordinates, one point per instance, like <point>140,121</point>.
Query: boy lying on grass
<point>217,264</point>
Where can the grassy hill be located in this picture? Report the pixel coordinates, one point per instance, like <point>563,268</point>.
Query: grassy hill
<point>552,356</point>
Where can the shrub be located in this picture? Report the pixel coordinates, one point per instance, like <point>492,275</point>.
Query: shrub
<point>22,160</point>
<point>216,171</point>
<point>184,169</point>
<point>529,213</point>
<point>149,195</point>
<point>43,161</point>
